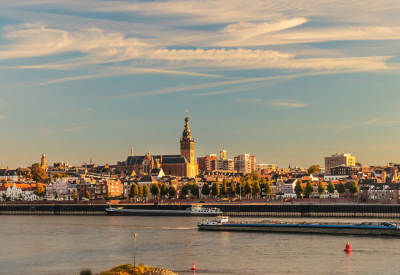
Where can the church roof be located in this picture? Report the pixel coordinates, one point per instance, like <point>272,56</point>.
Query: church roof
<point>147,178</point>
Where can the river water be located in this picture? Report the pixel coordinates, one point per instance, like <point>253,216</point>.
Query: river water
<point>65,244</point>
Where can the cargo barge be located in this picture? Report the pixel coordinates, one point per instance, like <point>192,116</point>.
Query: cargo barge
<point>191,211</point>
<point>222,223</point>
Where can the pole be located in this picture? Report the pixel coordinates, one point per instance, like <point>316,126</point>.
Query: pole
<point>134,253</point>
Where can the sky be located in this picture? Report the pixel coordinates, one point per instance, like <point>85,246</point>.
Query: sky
<point>289,81</point>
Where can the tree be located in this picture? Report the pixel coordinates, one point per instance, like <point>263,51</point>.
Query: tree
<point>205,190</point>
<point>313,169</point>
<point>87,194</point>
<point>331,187</point>
<point>164,190</point>
<point>321,188</point>
<point>134,191</point>
<point>40,191</point>
<point>195,190</point>
<point>145,191</point>
<point>298,189</point>
<point>215,189</point>
<point>4,196</point>
<point>247,188</point>
<point>253,176</point>
<point>240,188</point>
<point>224,190</point>
<point>353,188</point>
<point>140,191</point>
<point>233,187</point>
<point>341,188</point>
<point>256,189</point>
<point>73,195</point>
<point>184,191</point>
<point>38,173</point>
<point>267,187</point>
<point>358,164</point>
<point>309,188</point>
<point>108,196</point>
<point>171,191</point>
<point>155,190</point>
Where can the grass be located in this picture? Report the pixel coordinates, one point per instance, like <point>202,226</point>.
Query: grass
<point>128,269</point>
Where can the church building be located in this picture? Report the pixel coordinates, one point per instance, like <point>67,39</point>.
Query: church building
<point>183,165</point>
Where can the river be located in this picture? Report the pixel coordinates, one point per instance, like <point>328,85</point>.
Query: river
<point>65,244</point>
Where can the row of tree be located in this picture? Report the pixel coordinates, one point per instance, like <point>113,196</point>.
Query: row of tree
<point>309,189</point>
<point>140,191</point>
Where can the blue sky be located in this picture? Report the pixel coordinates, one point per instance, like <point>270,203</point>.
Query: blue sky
<point>286,81</point>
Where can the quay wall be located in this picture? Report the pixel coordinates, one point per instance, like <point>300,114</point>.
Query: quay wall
<point>234,210</point>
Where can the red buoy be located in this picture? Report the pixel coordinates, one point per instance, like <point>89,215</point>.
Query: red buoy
<point>348,248</point>
<point>194,267</point>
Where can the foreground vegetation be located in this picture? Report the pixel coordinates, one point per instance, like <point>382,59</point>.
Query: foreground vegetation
<point>128,269</point>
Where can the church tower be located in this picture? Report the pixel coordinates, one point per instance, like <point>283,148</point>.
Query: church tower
<point>187,143</point>
<point>43,161</point>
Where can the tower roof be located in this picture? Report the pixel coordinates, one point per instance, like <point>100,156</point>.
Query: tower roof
<point>187,134</point>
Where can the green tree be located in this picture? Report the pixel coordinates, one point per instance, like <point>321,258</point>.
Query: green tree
<point>87,194</point>
<point>73,195</point>
<point>358,164</point>
<point>309,188</point>
<point>164,190</point>
<point>247,188</point>
<point>205,190</point>
<point>232,186</point>
<point>224,190</point>
<point>108,196</point>
<point>215,189</point>
<point>341,188</point>
<point>195,190</point>
<point>267,187</point>
<point>256,189</point>
<point>321,188</point>
<point>313,169</point>
<point>171,191</point>
<point>134,191</point>
<point>240,188</point>
<point>140,191</point>
<point>331,187</point>
<point>155,190</point>
<point>184,191</point>
<point>298,189</point>
<point>40,191</point>
<point>353,188</point>
<point>38,173</point>
<point>4,196</point>
<point>146,191</point>
<point>253,176</point>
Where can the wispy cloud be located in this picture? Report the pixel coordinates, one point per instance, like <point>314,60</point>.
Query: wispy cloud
<point>287,103</point>
<point>2,116</point>
<point>87,109</point>
<point>359,124</point>
<point>249,100</point>
<point>65,130</point>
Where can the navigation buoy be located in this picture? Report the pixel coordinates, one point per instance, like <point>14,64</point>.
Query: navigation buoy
<point>194,267</point>
<point>348,248</point>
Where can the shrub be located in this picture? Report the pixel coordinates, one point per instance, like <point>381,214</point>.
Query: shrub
<point>85,271</point>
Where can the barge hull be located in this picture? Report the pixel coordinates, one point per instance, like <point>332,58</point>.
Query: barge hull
<point>309,230</point>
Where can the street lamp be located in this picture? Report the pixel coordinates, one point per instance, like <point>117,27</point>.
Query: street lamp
<point>134,253</point>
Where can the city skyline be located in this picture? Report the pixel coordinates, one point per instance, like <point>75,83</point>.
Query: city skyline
<point>289,82</point>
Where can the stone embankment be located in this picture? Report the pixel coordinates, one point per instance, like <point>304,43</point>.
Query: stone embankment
<point>139,270</point>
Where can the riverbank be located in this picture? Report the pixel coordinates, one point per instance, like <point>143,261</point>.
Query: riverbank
<point>128,269</point>
<point>234,210</point>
